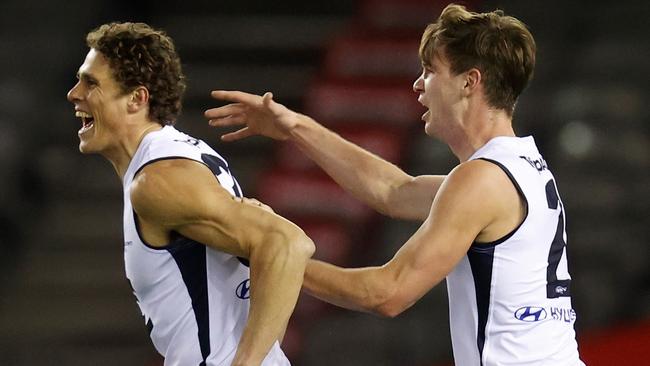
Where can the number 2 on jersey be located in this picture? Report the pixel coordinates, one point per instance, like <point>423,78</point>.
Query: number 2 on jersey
<point>556,287</point>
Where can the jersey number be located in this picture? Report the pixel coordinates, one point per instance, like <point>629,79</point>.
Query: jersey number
<point>555,287</point>
<point>220,170</point>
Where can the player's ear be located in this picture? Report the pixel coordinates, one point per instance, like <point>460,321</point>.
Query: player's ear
<point>472,79</point>
<point>138,99</point>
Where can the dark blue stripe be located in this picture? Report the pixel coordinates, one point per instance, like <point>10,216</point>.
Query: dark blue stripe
<point>190,257</point>
<point>149,327</point>
<point>481,259</point>
<point>521,194</point>
<point>216,164</point>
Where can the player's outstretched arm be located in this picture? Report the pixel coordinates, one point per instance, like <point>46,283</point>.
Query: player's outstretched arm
<point>369,178</point>
<point>200,209</point>
<point>454,223</point>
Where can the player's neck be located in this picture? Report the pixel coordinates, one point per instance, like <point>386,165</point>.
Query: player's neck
<point>478,127</point>
<point>122,153</point>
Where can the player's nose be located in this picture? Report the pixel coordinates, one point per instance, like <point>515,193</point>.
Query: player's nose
<point>418,84</point>
<point>73,94</point>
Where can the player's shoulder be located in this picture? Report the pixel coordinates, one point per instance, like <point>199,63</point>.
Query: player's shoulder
<point>167,153</point>
<point>166,187</point>
<point>477,181</point>
<point>169,171</point>
<point>477,172</point>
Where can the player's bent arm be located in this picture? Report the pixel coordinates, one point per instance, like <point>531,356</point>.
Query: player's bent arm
<point>200,209</point>
<point>368,177</point>
<point>371,179</point>
<point>454,222</point>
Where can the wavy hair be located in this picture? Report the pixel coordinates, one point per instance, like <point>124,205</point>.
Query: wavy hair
<point>142,56</point>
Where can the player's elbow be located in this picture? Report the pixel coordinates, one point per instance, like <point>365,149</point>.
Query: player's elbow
<point>398,210</point>
<point>390,205</point>
<point>387,301</point>
<point>304,246</point>
<point>298,244</point>
<point>409,198</point>
<point>387,209</point>
<point>400,214</point>
<point>286,244</point>
<point>391,308</point>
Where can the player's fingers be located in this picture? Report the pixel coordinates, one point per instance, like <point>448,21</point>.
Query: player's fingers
<point>267,98</point>
<point>270,104</point>
<point>237,135</point>
<point>225,111</point>
<point>228,121</point>
<point>235,96</point>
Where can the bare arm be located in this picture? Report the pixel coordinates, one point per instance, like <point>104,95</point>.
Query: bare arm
<point>454,223</point>
<point>200,209</point>
<point>371,179</point>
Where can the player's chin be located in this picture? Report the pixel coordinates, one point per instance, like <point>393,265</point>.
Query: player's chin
<point>428,128</point>
<point>86,147</point>
<point>83,148</point>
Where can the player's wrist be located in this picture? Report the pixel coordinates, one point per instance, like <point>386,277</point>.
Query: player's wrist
<point>301,127</point>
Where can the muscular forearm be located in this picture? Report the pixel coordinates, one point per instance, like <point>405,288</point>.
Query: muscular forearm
<point>277,269</point>
<point>366,176</point>
<point>360,289</point>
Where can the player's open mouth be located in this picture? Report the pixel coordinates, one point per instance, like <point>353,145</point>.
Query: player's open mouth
<point>424,115</point>
<point>87,120</point>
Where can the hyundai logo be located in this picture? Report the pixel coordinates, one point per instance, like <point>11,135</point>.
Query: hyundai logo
<point>243,291</point>
<point>561,290</point>
<point>530,314</point>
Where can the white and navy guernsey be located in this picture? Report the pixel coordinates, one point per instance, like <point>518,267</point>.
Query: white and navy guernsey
<point>194,299</point>
<point>510,300</point>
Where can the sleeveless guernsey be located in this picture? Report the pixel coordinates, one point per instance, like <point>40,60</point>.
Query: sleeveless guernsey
<point>194,299</point>
<point>510,300</point>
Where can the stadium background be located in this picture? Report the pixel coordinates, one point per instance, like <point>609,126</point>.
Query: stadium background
<point>63,296</point>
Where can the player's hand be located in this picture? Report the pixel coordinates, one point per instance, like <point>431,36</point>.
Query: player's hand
<point>259,115</point>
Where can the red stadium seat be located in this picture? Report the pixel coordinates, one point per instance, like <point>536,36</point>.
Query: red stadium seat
<point>359,56</point>
<point>335,101</point>
<point>300,195</point>
<point>622,345</point>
